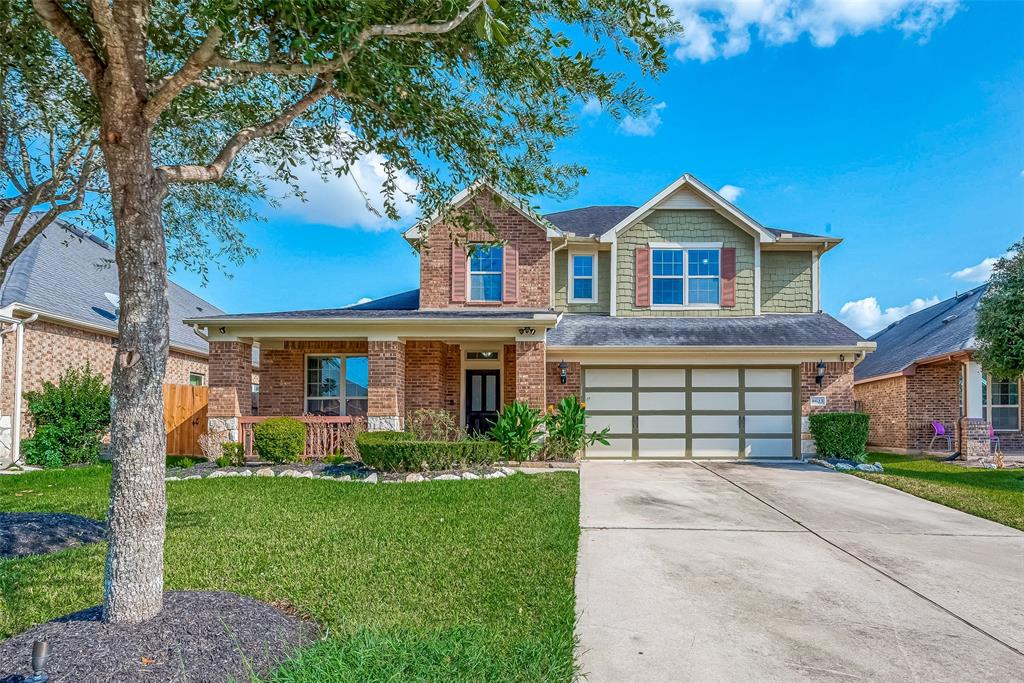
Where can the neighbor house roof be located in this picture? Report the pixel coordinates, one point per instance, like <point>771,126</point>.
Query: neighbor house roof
<point>945,328</point>
<point>811,329</point>
<point>66,273</point>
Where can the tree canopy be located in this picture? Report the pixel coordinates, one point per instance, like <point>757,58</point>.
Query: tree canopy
<point>1000,331</point>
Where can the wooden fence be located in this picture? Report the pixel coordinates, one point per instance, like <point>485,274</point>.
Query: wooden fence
<point>324,434</point>
<point>184,418</point>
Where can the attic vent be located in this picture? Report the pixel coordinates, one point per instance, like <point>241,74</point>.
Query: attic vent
<point>787,235</point>
<point>950,318</point>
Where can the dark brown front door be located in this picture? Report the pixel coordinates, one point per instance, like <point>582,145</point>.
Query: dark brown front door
<point>482,391</point>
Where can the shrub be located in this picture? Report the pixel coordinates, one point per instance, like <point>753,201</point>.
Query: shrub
<point>566,425</point>
<point>233,453</point>
<point>279,439</point>
<point>840,435</point>
<point>180,461</point>
<point>402,452</point>
<point>212,445</point>
<point>518,430</point>
<point>70,418</point>
<point>428,424</point>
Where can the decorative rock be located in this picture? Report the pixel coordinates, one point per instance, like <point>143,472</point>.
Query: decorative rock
<point>508,470</point>
<point>305,475</point>
<point>264,472</point>
<point>347,477</point>
<point>470,475</point>
<point>289,473</point>
<point>447,477</point>
<point>844,467</point>
<point>822,463</point>
<point>414,477</point>
<point>232,474</point>
<point>372,479</point>
<point>172,478</point>
<point>494,475</point>
<point>217,474</point>
<point>245,473</point>
<point>192,476</point>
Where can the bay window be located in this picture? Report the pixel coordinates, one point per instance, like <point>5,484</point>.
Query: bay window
<point>581,286</point>
<point>485,272</point>
<point>685,276</point>
<point>337,385</point>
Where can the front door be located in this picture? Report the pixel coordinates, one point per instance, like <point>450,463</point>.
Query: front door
<point>482,392</point>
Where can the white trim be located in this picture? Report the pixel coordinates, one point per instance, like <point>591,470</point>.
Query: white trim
<point>724,207</point>
<point>551,266</point>
<point>417,231</point>
<point>973,389</point>
<point>342,396</point>
<point>570,294</point>
<point>685,247</point>
<point>614,273</point>
<point>470,273</point>
<point>757,275</point>
<point>815,281</point>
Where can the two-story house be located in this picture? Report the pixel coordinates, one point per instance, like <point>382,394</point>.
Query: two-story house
<point>687,327</point>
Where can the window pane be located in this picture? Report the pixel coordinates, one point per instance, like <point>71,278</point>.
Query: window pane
<point>491,393</point>
<point>328,406</point>
<point>357,376</point>
<point>356,407</point>
<point>1004,393</point>
<point>703,262</point>
<point>667,291</point>
<point>583,288</point>
<point>704,290</point>
<point>582,266</point>
<point>667,262</point>
<point>485,287</point>
<point>476,393</point>
<point>1005,418</point>
<point>486,259</point>
<point>323,376</point>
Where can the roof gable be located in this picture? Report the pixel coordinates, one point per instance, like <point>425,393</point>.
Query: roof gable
<point>419,230</point>
<point>687,192</point>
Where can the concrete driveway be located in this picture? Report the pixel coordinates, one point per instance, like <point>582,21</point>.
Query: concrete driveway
<point>741,571</point>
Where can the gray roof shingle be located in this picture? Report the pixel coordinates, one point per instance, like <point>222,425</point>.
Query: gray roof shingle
<point>66,271</point>
<point>811,329</point>
<point>946,327</point>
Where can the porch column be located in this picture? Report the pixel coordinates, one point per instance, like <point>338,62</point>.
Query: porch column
<point>230,373</point>
<point>530,374</point>
<point>386,405</point>
<point>972,431</point>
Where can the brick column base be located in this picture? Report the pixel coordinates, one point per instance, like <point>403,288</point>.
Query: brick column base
<point>230,391</point>
<point>386,393</point>
<point>530,374</point>
<point>974,441</point>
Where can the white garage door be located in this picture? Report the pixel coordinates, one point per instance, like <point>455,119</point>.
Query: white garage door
<point>676,412</point>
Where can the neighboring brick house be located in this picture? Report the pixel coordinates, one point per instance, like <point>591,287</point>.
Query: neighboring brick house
<point>67,278</point>
<point>923,371</point>
<point>690,330</point>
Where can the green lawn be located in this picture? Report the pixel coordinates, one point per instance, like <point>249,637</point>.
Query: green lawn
<point>436,581</point>
<point>993,494</point>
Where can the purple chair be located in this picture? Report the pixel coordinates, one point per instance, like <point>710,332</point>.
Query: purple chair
<point>993,440</point>
<point>940,433</point>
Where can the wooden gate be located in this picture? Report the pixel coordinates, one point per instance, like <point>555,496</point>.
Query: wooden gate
<point>184,418</point>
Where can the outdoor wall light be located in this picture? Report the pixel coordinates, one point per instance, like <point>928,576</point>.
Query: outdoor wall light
<point>222,330</point>
<point>527,331</point>
<point>820,376</point>
<point>563,372</point>
<point>40,653</point>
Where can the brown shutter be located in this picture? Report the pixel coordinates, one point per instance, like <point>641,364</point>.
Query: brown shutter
<point>643,277</point>
<point>458,274</point>
<point>510,279</point>
<point>728,263</point>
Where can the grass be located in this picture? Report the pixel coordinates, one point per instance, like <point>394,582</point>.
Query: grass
<point>997,495</point>
<point>450,581</point>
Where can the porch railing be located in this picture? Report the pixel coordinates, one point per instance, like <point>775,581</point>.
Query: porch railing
<point>324,434</point>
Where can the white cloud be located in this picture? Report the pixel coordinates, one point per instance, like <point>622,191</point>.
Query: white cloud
<point>731,192</point>
<point>591,108</point>
<point>867,317</point>
<point>360,300</point>
<point>724,28</point>
<point>645,126</point>
<point>979,272</point>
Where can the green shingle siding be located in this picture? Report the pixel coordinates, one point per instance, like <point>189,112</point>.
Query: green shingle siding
<point>786,282</point>
<point>684,226</point>
<point>603,284</point>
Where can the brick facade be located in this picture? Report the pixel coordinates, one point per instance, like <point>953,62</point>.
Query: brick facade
<point>230,392</point>
<point>886,402</point>
<point>386,407</point>
<point>530,240</point>
<point>556,391</point>
<point>531,374</point>
<point>432,376</point>
<point>508,374</point>
<point>837,388</point>
<point>283,373</point>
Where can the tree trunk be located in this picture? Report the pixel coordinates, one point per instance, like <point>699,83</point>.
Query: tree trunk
<point>133,580</point>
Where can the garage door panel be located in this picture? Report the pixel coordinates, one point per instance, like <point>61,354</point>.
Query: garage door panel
<point>715,424</point>
<point>768,400</point>
<point>662,378</point>
<point>715,377</point>
<point>716,448</point>
<point>768,377</point>
<point>661,424</point>
<point>609,377</point>
<point>770,448</point>
<point>716,400</point>
<point>616,424</point>
<point>616,448</point>
<point>662,400</point>
<point>662,448</point>
<point>769,424</point>
<point>609,400</point>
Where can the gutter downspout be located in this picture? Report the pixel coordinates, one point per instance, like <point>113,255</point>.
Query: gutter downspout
<point>19,357</point>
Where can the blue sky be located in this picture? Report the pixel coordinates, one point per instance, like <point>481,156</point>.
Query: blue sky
<point>895,124</point>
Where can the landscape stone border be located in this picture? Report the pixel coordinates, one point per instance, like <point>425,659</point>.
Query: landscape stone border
<point>362,476</point>
<point>847,465</point>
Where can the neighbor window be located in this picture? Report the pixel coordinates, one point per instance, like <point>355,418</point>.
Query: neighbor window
<point>485,268</point>
<point>337,385</point>
<point>685,277</point>
<point>1004,400</point>
<point>582,285</point>
<point>196,379</point>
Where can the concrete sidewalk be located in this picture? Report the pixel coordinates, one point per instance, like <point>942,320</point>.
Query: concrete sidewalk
<point>737,571</point>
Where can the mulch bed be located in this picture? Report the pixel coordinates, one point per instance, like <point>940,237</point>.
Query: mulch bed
<point>35,533</point>
<point>198,636</point>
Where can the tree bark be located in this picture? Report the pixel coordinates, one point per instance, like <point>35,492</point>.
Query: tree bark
<point>133,579</point>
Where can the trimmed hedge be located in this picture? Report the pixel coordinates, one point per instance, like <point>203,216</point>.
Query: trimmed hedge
<point>279,439</point>
<point>400,452</point>
<point>840,435</point>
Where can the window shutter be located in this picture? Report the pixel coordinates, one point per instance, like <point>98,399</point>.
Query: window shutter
<point>728,279</point>
<point>510,278</point>
<point>458,274</point>
<point>643,277</point>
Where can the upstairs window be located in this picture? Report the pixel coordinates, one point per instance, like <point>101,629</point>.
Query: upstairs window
<point>337,385</point>
<point>685,277</point>
<point>485,273</point>
<point>581,287</point>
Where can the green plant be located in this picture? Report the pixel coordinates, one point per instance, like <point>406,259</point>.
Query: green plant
<point>566,425</point>
<point>337,459</point>
<point>518,430</point>
<point>234,452</point>
<point>429,424</point>
<point>180,461</point>
<point>402,452</point>
<point>279,439</point>
<point>223,461</point>
<point>840,435</point>
<point>70,417</point>
<point>1000,330</point>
